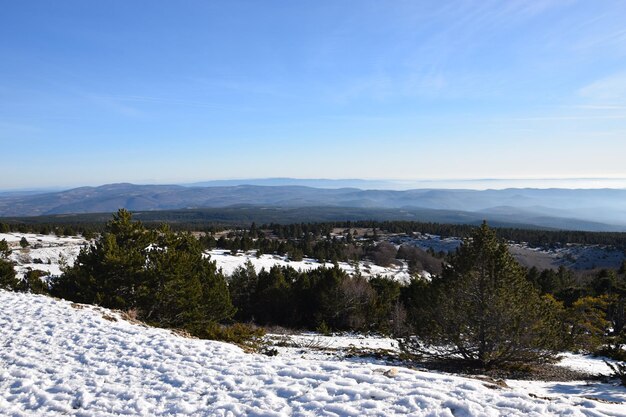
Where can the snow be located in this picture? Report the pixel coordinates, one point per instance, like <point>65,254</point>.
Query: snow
<point>427,241</point>
<point>593,365</point>
<point>345,341</point>
<point>51,250</point>
<point>54,249</point>
<point>60,359</point>
<point>311,345</point>
<point>228,263</point>
<point>48,240</point>
<point>573,256</point>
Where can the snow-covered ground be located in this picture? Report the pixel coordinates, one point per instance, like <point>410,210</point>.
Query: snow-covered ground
<point>427,241</point>
<point>336,347</point>
<point>50,251</point>
<point>589,364</point>
<point>46,252</point>
<point>310,344</point>
<point>229,263</point>
<point>572,256</point>
<point>343,341</point>
<point>59,359</point>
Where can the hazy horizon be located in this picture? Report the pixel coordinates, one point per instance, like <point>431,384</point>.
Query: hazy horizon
<point>375,183</point>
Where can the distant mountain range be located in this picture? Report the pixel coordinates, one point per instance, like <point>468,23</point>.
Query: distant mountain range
<point>579,209</point>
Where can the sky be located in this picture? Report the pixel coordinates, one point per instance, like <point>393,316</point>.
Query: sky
<point>95,92</point>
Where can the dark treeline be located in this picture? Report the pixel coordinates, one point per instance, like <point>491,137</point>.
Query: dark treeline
<point>91,228</point>
<point>193,220</point>
<point>66,229</point>
<point>532,236</point>
<point>324,298</point>
<point>324,250</point>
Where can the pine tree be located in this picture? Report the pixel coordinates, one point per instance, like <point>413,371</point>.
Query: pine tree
<point>162,275</point>
<point>8,279</point>
<point>242,286</point>
<point>5,250</point>
<point>485,311</point>
<point>33,282</point>
<point>183,288</point>
<point>110,271</point>
<point>273,297</point>
<point>587,323</point>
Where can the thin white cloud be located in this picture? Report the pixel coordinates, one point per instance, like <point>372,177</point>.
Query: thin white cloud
<point>424,59</point>
<point>572,117</point>
<point>608,90</point>
<point>613,39</point>
<point>599,107</point>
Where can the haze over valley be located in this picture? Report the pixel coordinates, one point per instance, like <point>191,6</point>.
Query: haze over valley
<point>576,209</point>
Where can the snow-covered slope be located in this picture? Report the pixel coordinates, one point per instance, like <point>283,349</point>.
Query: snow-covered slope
<point>59,359</point>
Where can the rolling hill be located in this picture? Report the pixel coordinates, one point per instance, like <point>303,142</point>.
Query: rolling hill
<point>578,209</point>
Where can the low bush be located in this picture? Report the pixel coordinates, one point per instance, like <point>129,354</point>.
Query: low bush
<point>247,336</point>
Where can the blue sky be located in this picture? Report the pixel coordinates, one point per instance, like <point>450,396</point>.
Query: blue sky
<point>160,92</point>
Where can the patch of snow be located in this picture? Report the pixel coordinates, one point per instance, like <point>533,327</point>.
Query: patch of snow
<point>427,241</point>
<point>46,252</point>
<point>593,365</point>
<point>53,250</point>
<point>573,256</point>
<point>588,395</point>
<point>228,263</point>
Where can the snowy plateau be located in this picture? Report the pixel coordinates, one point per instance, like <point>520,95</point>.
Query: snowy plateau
<point>63,359</point>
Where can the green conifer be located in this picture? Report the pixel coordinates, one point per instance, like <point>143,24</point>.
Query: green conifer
<point>162,275</point>
<point>485,311</point>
